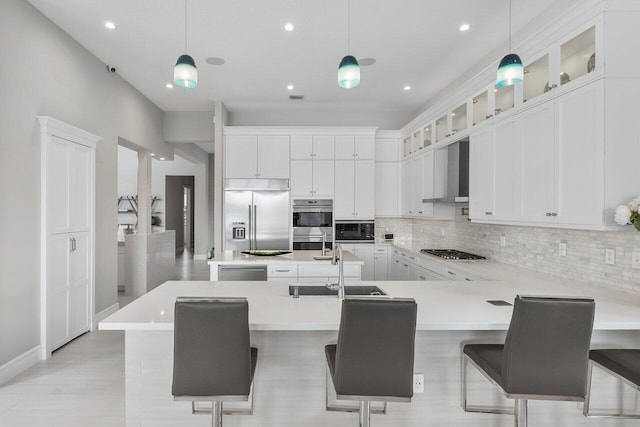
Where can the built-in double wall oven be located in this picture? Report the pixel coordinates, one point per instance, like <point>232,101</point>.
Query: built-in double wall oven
<point>355,231</point>
<point>312,218</point>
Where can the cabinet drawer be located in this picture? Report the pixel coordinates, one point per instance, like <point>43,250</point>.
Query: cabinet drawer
<point>283,270</point>
<point>327,271</point>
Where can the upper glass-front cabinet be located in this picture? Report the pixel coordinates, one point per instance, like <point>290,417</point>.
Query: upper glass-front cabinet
<point>417,141</point>
<point>504,99</point>
<point>578,56</point>
<point>480,108</point>
<point>427,136</point>
<point>442,128</point>
<point>459,119</point>
<point>406,147</point>
<point>536,78</point>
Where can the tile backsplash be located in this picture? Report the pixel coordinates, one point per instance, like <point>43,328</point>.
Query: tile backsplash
<point>530,247</point>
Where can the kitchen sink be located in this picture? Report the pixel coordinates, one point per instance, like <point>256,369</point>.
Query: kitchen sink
<point>304,290</point>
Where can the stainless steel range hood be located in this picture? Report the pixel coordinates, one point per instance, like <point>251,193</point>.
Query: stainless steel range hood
<point>457,174</point>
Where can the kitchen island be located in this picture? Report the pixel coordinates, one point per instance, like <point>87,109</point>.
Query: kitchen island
<point>295,266</point>
<point>290,333</point>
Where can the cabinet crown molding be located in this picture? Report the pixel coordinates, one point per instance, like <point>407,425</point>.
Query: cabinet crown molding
<point>301,130</point>
<point>49,125</point>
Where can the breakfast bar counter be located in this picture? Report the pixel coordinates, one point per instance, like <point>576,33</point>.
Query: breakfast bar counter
<point>291,333</point>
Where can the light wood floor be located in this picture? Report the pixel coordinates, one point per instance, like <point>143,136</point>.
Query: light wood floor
<point>82,385</point>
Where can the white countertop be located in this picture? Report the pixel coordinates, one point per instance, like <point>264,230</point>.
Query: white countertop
<point>446,305</point>
<point>295,257</point>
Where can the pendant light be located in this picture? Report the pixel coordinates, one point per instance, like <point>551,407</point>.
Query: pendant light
<point>510,70</point>
<point>185,73</point>
<point>348,70</point>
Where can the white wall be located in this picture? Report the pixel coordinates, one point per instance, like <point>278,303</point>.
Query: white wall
<point>46,72</point>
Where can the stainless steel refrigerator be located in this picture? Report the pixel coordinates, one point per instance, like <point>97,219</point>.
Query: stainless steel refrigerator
<point>257,215</point>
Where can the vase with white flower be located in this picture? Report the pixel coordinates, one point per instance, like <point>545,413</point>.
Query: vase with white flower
<point>629,213</point>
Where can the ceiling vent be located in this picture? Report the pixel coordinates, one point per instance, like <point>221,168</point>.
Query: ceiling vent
<point>296,97</point>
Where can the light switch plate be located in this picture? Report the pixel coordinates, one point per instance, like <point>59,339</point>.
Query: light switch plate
<point>635,260</point>
<point>503,240</point>
<point>562,248</point>
<point>610,256</point>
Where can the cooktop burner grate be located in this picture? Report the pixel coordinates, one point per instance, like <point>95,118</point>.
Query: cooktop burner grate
<point>451,254</point>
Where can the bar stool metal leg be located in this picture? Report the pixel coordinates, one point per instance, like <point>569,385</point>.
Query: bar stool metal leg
<point>216,414</point>
<point>521,413</point>
<point>365,409</point>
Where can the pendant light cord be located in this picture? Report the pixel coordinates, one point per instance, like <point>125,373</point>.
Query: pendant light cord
<point>185,26</point>
<point>510,17</point>
<point>349,27</point>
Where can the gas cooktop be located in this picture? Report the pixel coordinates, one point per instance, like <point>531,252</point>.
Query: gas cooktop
<point>451,254</point>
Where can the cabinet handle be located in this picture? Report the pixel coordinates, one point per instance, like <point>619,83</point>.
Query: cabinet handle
<point>419,211</point>
<point>554,214</point>
<point>553,86</point>
<point>548,214</point>
<point>423,278</point>
<point>467,279</point>
<point>488,213</point>
<point>451,273</point>
<point>283,271</point>
<point>397,261</point>
<point>71,243</point>
<point>355,155</point>
<point>403,254</point>
<point>406,265</point>
<point>412,257</point>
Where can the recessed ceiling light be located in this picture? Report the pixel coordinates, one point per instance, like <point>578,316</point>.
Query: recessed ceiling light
<point>365,62</point>
<point>153,154</point>
<point>289,27</point>
<point>464,27</point>
<point>169,86</point>
<point>213,60</point>
<point>290,87</point>
<point>110,25</point>
<point>161,158</point>
<point>407,87</point>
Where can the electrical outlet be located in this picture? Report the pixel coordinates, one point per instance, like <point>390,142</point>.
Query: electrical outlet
<point>562,248</point>
<point>635,260</point>
<point>418,383</point>
<point>503,240</point>
<point>610,256</point>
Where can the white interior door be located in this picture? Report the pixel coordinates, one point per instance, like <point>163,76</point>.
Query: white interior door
<point>59,251</point>
<point>79,282</point>
<point>80,187</point>
<point>58,201</point>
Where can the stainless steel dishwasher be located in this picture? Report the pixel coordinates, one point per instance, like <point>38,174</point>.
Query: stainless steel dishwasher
<point>242,272</point>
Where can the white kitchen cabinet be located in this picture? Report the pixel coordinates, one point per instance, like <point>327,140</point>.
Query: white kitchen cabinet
<point>406,189</point>
<point>68,212</point>
<point>366,252</point>
<point>387,182</point>
<point>358,147</point>
<point>250,156</point>
<point>506,161</point>
<point>354,192</point>
<point>319,147</point>
<point>415,168</point>
<point>481,171</point>
<point>312,178</point>
<point>380,262</point>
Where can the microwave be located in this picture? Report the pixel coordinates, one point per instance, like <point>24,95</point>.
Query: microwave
<point>355,231</point>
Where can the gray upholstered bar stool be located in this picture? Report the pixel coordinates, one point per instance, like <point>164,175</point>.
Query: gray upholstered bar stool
<point>373,359</point>
<point>623,364</point>
<point>212,357</point>
<point>544,356</point>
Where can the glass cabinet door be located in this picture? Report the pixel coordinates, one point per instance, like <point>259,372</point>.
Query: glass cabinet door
<point>536,78</point>
<point>426,135</point>
<point>417,141</point>
<point>577,56</point>
<point>459,119</point>
<point>504,99</point>
<point>442,128</point>
<point>406,147</point>
<point>480,108</point>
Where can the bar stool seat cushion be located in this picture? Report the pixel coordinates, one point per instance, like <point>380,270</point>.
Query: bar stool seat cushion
<point>488,357</point>
<point>624,362</point>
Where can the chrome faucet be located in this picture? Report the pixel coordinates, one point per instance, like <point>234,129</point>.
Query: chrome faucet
<point>337,259</point>
<point>324,243</point>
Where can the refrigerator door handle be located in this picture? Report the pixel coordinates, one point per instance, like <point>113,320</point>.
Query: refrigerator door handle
<point>251,227</point>
<point>255,226</point>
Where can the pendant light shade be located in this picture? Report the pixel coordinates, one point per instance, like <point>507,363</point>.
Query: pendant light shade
<point>510,71</point>
<point>348,72</point>
<point>185,73</point>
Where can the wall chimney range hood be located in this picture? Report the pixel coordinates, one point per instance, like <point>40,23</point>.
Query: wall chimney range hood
<point>457,174</point>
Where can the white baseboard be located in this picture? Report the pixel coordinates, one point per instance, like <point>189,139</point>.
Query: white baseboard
<point>99,317</point>
<point>200,256</point>
<point>20,364</point>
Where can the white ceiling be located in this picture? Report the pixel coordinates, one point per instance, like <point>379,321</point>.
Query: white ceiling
<point>415,42</point>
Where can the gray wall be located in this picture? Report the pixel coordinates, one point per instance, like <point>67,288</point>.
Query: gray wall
<point>45,72</point>
<point>188,126</point>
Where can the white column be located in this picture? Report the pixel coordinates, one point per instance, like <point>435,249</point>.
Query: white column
<point>144,192</point>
